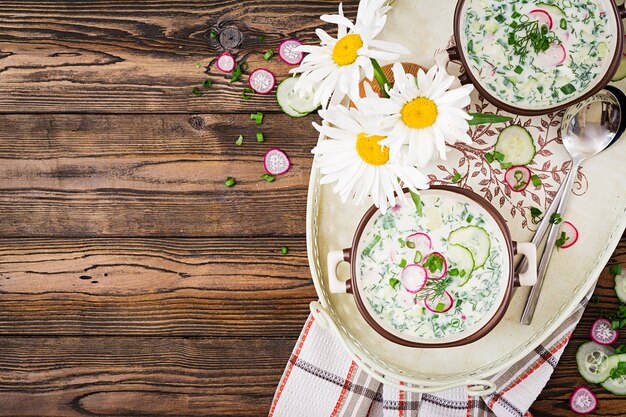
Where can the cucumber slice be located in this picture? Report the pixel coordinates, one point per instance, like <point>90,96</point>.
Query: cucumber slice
<point>292,103</point>
<point>553,9</point>
<point>461,259</point>
<point>475,239</point>
<point>615,386</point>
<point>593,362</point>
<point>620,287</point>
<point>621,71</point>
<point>517,145</point>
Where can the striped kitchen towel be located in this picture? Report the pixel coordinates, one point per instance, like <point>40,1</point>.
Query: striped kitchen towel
<point>321,379</point>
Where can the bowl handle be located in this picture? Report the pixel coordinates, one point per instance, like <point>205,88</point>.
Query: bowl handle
<point>443,59</point>
<point>473,386</point>
<point>622,10</point>
<point>528,278</point>
<point>335,285</point>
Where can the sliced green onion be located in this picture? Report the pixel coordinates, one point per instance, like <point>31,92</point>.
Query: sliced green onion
<point>616,269</point>
<point>489,157</point>
<point>230,181</point>
<point>207,83</point>
<point>259,137</point>
<point>196,92</point>
<point>268,55</point>
<point>453,272</point>
<point>239,69</point>
<point>257,117</point>
<point>402,263</point>
<point>505,165</point>
<point>213,34</point>
<point>469,218</point>
<point>481,119</point>
<point>417,200</point>
<point>456,178</point>
<point>556,218</point>
<point>393,282</point>
<point>498,156</point>
<point>262,38</point>
<point>268,177</point>
<point>198,65</point>
<point>500,18</point>
<point>418,257</point>
<point>284,250</point>
<point>562,240</point>
<point>518,69</point>
<point>410,245</point>
<point>535,180</point>
<point>563,24</point>
<point>245,93</point>
<point>440,307</point>
<point>239,140</point>
<point>568,89</point>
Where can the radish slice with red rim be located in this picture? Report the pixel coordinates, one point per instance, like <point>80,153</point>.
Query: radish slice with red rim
<point>420,242</point>
<point>288,54</point>
<point>555,55</point>
<point>571,234</point>
<point>262,81</point>
<point>602,332</point>
<point>517,178</point>
<point>413,278</point>
<point>542,17</point>
<point>583,401</point>
<point>435,265</point>
<point>226,62</point>
<point>276,162</point>
<point>439,304</point>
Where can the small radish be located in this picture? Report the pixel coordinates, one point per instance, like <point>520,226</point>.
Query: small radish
<point>571,235</point>
<point>436,266</point>
<point>262,81</point>
<point>542,17</point>
<point>602,332</point>
<point>287,52</point>
<point>582,401</point>
<point>413,278</point>
<point>421,242</point>
<point>517,178</point>
<point>226,62</point>
<point>554,56</point>
<point>276,162</point>
<point>440,304</point>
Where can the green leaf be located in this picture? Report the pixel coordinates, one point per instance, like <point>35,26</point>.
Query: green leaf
<point>381,78</point>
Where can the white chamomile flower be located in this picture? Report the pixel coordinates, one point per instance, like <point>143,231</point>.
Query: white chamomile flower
<point>423,113</point>
<point>335,68</point>
<point>352,158</point>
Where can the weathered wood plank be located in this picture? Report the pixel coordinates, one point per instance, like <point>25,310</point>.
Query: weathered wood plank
<point>139,376</point>
<point>140,56</point>
<point>218,287</point>
<point>150,175</point>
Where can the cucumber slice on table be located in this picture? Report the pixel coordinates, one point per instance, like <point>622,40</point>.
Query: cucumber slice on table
<point>593,361</point>
<point>620,287</point>
<point>615,386</point>
<point>517,145</point>
<point>621,71</point>
<point>461,259</point>
<point>292,103</point>
<point>475,239</point>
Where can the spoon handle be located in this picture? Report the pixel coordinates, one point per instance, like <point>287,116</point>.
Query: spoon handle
<point>533,297</point>
<point>543,225</point>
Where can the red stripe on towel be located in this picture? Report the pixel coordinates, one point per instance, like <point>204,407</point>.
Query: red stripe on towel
<point>343,390</point>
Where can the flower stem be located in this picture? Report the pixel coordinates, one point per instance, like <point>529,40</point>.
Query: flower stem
<point>381,78</point>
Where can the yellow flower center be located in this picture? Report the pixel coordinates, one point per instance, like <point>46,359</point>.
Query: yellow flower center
<point>420,113</point>
<point>370,151</point>
<point>345,51</point>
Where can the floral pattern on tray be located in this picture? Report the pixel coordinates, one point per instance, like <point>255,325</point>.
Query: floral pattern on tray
<point>551,164</point>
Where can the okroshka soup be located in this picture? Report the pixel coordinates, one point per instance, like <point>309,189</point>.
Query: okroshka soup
<point>538,53</point>
<point>436,276</point>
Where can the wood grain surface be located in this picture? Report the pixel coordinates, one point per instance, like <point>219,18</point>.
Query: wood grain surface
<point>132,281</point>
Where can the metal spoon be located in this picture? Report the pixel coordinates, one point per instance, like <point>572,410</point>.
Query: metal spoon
<point>590,128</point>
<point>542,228</point>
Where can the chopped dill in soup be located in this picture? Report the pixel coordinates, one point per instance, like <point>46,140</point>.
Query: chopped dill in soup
<point>435,275</point>
<point>537,53</point>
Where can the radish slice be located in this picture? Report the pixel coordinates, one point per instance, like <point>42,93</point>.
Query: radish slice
<point>226,62</point>
<point>421,242</point>
<point>438,273</point>
<point>276,162</point>
<point>441,304</point>
<point>413,278</point>
<point>262,81</point>
<point>602,332</point>
<point>571,234</point>
<point>554,56</point>
<point>517,178</point>
<point>583,401</point>
<point>542,17</point>
<point>287,52</point>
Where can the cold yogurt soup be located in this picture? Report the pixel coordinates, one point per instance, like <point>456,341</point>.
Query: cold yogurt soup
<point>433,275</point>
<point>537,53</point>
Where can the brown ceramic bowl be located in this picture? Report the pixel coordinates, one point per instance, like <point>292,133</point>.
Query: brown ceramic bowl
<point>509,278</point>
<point>457,53</point>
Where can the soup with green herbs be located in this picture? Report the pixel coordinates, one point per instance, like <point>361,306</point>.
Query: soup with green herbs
<point>532,53</point>
<point>434,275</point>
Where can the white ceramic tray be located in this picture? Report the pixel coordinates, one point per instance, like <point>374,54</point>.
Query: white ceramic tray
<point>598,210</point>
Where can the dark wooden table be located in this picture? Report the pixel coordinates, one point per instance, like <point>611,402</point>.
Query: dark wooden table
<point>132,281</point>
